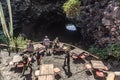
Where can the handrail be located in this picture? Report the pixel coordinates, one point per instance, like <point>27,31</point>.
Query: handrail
<point>4,45</point>
<point>83,50</point>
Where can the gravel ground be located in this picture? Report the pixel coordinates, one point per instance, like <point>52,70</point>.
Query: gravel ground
<point>77,70</point>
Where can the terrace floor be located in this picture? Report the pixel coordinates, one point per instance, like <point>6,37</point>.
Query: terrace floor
<point>77,69</point>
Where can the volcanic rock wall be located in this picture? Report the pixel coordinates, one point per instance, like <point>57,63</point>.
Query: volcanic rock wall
<point>111,21</point>
<point>99,20</point>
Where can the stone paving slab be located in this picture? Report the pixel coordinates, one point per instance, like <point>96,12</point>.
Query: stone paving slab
<point>78,72</point>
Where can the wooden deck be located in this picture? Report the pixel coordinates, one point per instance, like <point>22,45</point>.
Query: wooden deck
<point>46,72</point>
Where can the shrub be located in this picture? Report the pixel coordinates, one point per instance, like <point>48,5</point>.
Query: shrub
<point>110,49</point>
<point>99,52</point>
<point>72,8</point>
<point>18,43</point>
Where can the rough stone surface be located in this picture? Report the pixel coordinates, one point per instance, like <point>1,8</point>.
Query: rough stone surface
<point>78,70</point>
<point>111,15</point>
<point>100,21</point>
<point>98,18</point>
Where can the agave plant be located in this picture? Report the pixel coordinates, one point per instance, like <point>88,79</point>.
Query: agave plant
<point>18,43</point>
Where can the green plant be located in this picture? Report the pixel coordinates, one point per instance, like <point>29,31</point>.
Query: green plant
<point>72,8</point>
<point>97,51</point>
<point>8,31</point>
<point>18,43</point>
<point>3,39</point>
<point>114,50</point>
<point>8,37</point>
<point>110,49</point>
<point>1,32</point>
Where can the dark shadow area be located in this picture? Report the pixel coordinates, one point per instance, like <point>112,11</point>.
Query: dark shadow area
<point>47,1</point>
<point>114,63</point>
<point>67,71</point>
<point>78,61</point>
<point>53,24</point>
<point>29,75</point>
<point>48,54</point>
<point>59,29</point>
<point>58,77</point>
<point>88,73</point>
<point>58,52</point>
<point>88,58</point>
<point>16,70</point>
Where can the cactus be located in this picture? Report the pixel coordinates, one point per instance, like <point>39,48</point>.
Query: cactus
<point>13,42</point>
<point>8,31</point>
<point>10,16</point>
<point>3,22</point>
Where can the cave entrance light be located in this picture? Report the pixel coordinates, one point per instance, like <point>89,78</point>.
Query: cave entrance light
<point>71,27</point>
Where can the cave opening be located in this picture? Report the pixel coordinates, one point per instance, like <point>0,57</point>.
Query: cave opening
<point>53,24</point>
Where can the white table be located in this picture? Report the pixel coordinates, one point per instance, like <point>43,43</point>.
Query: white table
<point>17,58</point>
<point>46,72</point>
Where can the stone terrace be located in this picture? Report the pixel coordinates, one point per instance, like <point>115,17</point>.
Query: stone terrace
<point>77,70</point>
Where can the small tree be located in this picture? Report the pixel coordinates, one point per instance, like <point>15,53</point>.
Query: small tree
<point>72,8</point>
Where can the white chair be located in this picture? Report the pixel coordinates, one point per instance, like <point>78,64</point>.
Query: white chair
<point>56,70</point>
<point>11,63</point>
<point>37,73</point>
